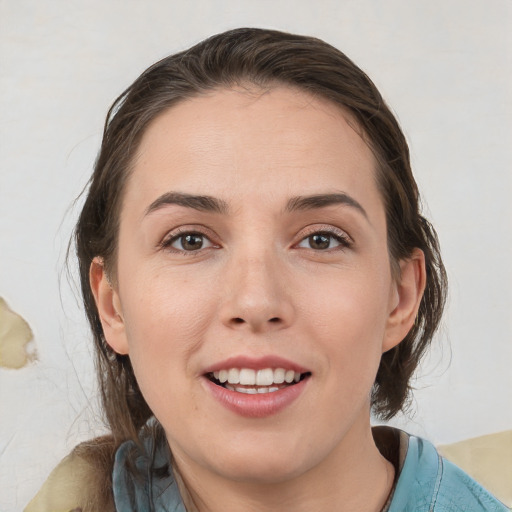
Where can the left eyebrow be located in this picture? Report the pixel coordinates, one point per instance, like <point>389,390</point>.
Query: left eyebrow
<point>321,201</point>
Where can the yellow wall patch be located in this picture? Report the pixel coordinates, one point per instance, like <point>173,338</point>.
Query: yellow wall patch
<point>15,333</point>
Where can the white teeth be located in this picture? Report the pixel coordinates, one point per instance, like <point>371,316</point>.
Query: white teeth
<point>289,376</point>
<point>263,378</point>
<point>247,377</point>
<point>251,391</point>
<point>233,375</point>
<point>279,375</point>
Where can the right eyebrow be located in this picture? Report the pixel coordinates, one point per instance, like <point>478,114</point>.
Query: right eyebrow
<point>196,202</point>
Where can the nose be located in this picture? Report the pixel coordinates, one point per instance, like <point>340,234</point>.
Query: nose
<point>257,296</point>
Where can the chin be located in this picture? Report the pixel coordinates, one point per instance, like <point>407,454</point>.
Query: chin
<point>264,463</point>
<point>263,472</point>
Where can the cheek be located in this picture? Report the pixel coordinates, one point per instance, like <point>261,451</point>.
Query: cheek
<point>350,302</point>
<point>348,321</point>
<point>165,320</point>
<point>165,305</point>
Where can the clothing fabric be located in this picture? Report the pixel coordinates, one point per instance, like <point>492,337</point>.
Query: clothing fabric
<point>430,483</point>
<point>144,482</point>
<point>142,478</point>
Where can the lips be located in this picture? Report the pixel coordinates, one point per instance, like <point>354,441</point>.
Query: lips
<point>256,388</point>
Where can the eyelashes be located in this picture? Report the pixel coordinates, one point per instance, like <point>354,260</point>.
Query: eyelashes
<point>192,241</point>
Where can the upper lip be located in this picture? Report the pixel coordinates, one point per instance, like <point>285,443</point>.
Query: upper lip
<point>255,363</point>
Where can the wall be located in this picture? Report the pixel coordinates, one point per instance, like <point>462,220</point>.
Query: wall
<point>445,67</point>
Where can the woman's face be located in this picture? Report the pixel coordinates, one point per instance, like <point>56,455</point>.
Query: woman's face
<point>252,247</point>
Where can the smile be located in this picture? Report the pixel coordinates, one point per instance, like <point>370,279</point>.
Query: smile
<point>250,381</point>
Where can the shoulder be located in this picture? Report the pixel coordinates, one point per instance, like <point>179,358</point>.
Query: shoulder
<point>81,481</point>
<point>458,491</point>
<point>487,459</point>
<point>428,482</point>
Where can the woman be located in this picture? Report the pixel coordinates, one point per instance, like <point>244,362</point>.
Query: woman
<point>258,277</point>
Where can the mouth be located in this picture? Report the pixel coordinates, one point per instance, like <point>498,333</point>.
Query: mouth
<point>250,381</point>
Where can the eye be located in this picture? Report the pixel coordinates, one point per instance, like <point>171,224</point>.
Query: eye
<point>323,241</point>
<point>188,242</point>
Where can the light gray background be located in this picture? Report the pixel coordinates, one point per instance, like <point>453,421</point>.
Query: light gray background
<point>443,65</point>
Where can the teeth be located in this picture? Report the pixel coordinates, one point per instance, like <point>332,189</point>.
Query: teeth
<point>233,375</point>
<point>279,376</point>
<point>247,377</point>
<point>251,391</point>
<point>264,378</point>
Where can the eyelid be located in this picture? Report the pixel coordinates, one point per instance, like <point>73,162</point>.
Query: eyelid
<point>324,228</point>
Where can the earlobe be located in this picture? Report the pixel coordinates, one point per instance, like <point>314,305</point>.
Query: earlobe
<point>405,299</point>
<point>109,307</point>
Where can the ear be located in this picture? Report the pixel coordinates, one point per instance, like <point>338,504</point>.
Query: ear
<point>109,307</point>
<point>405,299</point>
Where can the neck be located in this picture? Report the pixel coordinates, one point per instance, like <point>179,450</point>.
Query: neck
<point>354,477</point>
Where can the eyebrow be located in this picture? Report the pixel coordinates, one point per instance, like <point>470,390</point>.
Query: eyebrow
<point>201,203</point>
<point>215,205</point>
<point>323,200</point>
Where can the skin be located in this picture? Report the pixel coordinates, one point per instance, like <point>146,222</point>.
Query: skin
<point>260,286</point>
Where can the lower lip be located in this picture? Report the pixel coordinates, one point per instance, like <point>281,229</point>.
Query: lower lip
<point>259,405</point>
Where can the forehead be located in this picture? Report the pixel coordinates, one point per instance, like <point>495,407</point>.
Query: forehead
<point>248,140</point>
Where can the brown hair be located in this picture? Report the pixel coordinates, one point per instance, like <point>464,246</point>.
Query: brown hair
<point>263,58</point>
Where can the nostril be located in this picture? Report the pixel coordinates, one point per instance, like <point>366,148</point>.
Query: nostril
<point>255,323</point>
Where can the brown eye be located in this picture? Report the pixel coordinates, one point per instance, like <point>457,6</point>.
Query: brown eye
<point>323,240</point>
<point>319,241</point>
<point>189,242</point>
